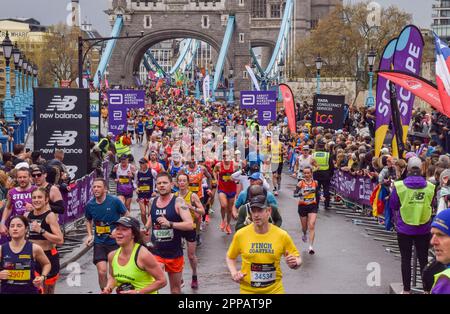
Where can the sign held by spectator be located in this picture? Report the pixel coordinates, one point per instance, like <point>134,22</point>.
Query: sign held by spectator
<point>328,111</point>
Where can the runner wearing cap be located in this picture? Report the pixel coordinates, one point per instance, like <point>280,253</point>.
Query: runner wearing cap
<point>125,173</point>
<point>304,160</point>
<point>175,166</point>
<point>410,201</point>
<point>145,187</point>
<point>132,268</point>
<point>56,202</point>
<point>308,206</point>
<point>101,212</point>
<point>261,246</point>
<point>440,230</point>
<point>227,189</point>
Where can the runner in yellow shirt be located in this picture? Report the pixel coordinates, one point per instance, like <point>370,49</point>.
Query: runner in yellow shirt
<point>261,246</point>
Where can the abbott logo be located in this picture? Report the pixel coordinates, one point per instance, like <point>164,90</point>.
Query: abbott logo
<point>72,170</point>
<point>116,99</point>
<point>248,100</point>
<point>59,138</point>
<point>62,104</point>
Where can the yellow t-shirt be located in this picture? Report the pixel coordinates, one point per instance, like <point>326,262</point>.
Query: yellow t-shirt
<point>261,254</point>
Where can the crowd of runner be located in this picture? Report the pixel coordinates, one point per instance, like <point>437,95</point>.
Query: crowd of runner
<point>178,185</point>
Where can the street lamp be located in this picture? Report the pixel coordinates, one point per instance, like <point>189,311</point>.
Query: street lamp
<point>371,56</point>
<point>24,84</point>
<point>8,108</point>
<point>280,77</point>
<point>231,85</point>
<point>197,85</point>
<point>30,85</point>
<point>17,95</point>
<point>319,63</point>
<point>35,74</point>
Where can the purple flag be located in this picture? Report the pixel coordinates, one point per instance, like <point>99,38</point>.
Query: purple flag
<point>407,58</point>
<point>383,101</point>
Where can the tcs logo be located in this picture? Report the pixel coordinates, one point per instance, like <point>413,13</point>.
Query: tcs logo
<point>324,118</point>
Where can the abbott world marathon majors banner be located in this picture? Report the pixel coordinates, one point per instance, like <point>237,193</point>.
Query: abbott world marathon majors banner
<point>328,111</point>
<point>119,103</point>
<point>61,121</point>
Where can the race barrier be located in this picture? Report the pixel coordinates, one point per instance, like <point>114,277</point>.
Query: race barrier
<point>79,195</point>
<point>356,189</point>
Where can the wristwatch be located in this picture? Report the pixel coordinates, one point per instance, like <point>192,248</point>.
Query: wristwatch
<point>171,224</point>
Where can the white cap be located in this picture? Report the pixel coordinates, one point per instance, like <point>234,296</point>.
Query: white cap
<point>414,162</point>
<point>22,165</point>
<point>384,151</point>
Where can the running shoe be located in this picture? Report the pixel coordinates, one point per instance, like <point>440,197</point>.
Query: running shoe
<point>207,219</point>
<point>199,240</point>
<point>311,250</point>
<point>182,283</point>
<point>211,211</point>
<point>222,225</point>
<point>305,238</point>
<point>194,284</point>
<point>228,229</point>
<point>202,226</point>
<point>275,193</point>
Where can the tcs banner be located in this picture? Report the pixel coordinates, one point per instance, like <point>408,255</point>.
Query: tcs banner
<point>328,111</point>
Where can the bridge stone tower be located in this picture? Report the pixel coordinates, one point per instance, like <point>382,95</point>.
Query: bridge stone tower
<point>257,24</point>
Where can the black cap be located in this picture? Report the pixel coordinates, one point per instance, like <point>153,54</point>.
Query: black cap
<point>38,168</point>
<point>143,160</point>
<point>128,222</point>
<point>123,157</point>
<point>258,201</point>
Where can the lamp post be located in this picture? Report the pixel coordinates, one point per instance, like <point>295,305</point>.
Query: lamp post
<point>197,85</point>
<point>211,81</point>
<point>231,83</point>
<point>17,94</point>
<point>8,108</point>
<point>24,105</point>
<point>280,77</point>
<point>371,56</point>
<point>30,88</point>
<point>319,63</point>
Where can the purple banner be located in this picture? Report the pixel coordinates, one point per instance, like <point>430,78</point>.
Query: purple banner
<point>383,99</point>
<point>263,101</point>
<point>408,58</point>
<point>353,188</point>
<point>119,102</point>
<point>79,195</point>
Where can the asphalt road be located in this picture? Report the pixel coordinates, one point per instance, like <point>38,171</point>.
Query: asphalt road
<point>347,260</point>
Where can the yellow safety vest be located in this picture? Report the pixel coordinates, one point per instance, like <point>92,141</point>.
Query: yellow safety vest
<point>122,149</point>
<point>415,208</point>
<point>323,160</point>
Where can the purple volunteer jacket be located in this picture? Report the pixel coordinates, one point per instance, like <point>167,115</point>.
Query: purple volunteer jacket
<point>413,182</point>
<point>442,286</point>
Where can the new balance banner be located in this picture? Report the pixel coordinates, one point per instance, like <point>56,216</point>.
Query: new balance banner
<point>119,102</point>
<point>407,58</point>
<point>289,107</point>
<point>95,116</point>
<point>383,102</point>
<point>263,101</point>
<point>61,121</point>
<point>328,111</point>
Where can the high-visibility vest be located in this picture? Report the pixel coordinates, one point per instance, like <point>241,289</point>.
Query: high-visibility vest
<point>441,274</point>
<point>323,160</point>
<point>415,208</point>
<point>106,148</point>
<point>122,149</point>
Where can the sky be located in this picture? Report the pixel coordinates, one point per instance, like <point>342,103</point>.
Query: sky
<point>50,12</point>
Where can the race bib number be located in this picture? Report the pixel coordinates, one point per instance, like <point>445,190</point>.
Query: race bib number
<point>144,188</point>
<point>163,235</point>
<point>226,178</point>
<point>102,229</point>
<point>262,275</point>
<point>19,275</point>
<point>124,180</point>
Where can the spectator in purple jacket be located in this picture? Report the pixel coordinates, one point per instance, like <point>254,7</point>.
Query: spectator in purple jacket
<point>411,203</point>
<point>441,244</point>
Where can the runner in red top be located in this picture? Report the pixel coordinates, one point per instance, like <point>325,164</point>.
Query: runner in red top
<point>227,189</point>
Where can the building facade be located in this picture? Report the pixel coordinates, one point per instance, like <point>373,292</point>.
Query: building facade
<point>441,19</point>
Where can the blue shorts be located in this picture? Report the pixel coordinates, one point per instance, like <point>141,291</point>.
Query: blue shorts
<point>228,194</point>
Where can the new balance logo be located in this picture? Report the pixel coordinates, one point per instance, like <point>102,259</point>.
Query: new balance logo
<point>72,170</point>
<point>62,104</point>
<point>59,138</point>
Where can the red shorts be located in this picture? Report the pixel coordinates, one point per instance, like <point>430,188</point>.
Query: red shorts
<point>171,265</point>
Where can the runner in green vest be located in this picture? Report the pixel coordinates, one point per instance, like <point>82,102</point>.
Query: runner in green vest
<point>132,268</point>
<point>440,229</point>
<point>121,148</point>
